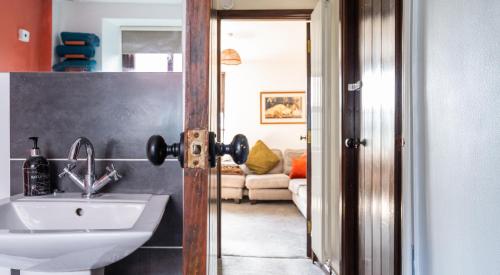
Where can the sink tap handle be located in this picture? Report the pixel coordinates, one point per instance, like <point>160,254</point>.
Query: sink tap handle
<point>110,168</point>
<point>118,176</point>
<point>112,171</point>
<point>67,169</point>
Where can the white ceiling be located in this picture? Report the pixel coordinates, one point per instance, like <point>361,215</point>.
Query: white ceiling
<point>264,40</point>
<point>133,1</point>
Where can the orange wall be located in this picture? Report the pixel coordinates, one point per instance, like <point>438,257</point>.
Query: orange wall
<point>34,16</point>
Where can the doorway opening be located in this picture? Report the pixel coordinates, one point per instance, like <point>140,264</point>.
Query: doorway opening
<point>263,94</point>
<point>369,84</point>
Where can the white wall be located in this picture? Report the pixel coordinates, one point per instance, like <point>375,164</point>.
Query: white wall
<point>4,135</point>
<point>456,108</point>
<point>89,17</point>
<point>273,59</point>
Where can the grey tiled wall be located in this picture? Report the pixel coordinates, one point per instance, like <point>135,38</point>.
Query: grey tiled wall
<point>117,112</point>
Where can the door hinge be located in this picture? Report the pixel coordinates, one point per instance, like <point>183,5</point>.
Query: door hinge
<point>354,87</point>
<point>309,137</point>
<point>308,46</point>
<point>309,227</point>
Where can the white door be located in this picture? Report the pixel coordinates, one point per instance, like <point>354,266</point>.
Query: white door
<point>325,134</point>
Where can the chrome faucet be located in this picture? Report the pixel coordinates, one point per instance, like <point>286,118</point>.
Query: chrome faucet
<point>89,184</point>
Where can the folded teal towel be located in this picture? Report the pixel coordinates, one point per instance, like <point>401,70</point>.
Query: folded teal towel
<point>87,65</point>
<point>90,39</point>
<point>87,51</point>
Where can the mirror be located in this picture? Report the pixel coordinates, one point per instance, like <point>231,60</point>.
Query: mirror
<point>91,36</point>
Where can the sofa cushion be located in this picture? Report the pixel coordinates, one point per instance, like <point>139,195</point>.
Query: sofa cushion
<point>301,202</point>
<point>236,181</point>
<point>299,167</point>
<point>270,194</point>
<point>261,159</point>
<point>268,181</point>
<point>302,193</point>
<point>228,193</point>
<point>288,157</point>
<point>278,169</point>
<point>295,184</point>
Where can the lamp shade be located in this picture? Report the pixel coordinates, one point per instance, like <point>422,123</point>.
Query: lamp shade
<point>230,57</point>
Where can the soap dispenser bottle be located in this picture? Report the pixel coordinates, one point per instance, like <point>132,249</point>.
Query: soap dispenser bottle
<point>36,173</point>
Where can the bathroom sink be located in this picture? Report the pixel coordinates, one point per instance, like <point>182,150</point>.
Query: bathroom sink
<point>65,232</point>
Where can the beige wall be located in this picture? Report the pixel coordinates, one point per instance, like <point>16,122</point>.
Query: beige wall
<point>270,4</point>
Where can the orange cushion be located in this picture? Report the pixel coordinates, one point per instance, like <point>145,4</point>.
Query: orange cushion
<point>299,167</point>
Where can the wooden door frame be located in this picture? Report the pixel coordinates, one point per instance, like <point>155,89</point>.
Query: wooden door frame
<point>349,188</point>
<point>399,140</point>
<point>309,252</point>
<point>297,14</point>
<point>294,14</point>
<point>196,94</point>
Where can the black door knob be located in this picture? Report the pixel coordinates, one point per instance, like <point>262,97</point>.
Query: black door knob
<point>354,143</point>
<point>237,149</point>
<point>158,150</point>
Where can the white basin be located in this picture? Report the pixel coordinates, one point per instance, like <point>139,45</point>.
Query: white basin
<point>67,233</point>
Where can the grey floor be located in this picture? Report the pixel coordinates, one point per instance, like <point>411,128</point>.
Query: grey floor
<point>266,238</point>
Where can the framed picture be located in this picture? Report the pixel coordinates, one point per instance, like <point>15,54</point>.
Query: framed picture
<point>283,108</point>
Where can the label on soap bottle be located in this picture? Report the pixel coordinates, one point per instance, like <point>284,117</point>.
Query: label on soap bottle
<point>37,180</point>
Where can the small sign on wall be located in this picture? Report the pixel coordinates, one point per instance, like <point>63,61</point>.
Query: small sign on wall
<point>283,107</point>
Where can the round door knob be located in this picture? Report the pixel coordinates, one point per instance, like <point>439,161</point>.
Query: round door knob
<point>237,149</point>
<point>158,150</point>
<point>354,143</point>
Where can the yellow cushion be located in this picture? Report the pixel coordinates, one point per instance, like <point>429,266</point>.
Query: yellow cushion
<point>261,159</point>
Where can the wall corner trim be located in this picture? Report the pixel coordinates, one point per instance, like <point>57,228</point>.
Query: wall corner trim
<point>4,135</point>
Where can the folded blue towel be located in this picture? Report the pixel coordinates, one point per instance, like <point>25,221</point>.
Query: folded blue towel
<point>69,64</point>
<point>85,51</point>
<point>90,39</point>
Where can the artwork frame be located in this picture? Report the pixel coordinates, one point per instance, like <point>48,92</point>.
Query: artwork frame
<point>275,107</point>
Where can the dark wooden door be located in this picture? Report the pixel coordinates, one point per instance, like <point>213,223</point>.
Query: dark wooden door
<point>379,103</point>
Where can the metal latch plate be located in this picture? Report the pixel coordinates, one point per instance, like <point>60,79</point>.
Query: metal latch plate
<point>197,149</point>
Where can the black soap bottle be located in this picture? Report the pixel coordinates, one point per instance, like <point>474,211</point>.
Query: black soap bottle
<point>36,173</point>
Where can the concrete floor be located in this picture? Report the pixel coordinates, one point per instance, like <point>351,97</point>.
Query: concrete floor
<point>268,238</point>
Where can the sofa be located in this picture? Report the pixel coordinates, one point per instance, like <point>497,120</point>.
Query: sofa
<point>298,188</point>
<point>273,186</point>
<point>232,187</point>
